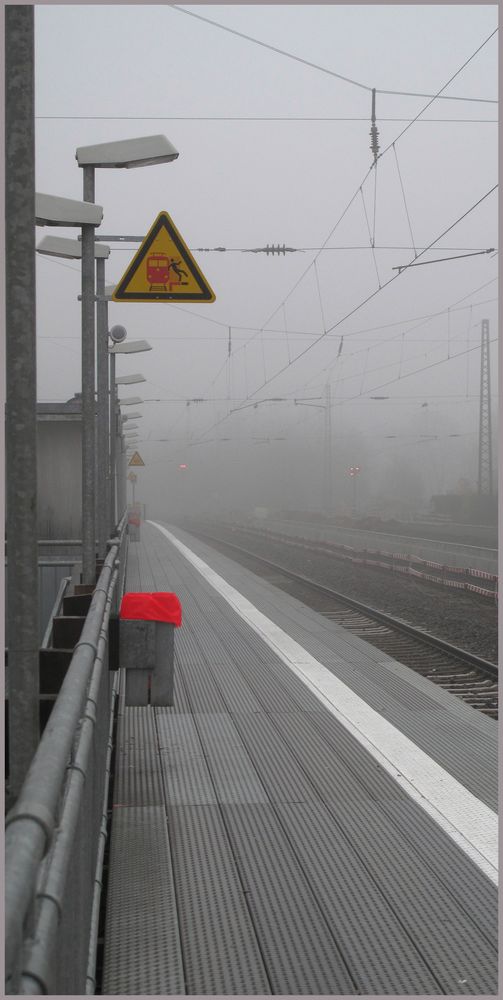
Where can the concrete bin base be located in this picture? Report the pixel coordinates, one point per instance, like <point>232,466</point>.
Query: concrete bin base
<point>146,651</point>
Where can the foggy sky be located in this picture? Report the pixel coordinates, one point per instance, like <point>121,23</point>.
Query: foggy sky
<point>112,72</point>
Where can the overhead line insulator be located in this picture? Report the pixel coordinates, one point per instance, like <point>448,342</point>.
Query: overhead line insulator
<point>374,134</point>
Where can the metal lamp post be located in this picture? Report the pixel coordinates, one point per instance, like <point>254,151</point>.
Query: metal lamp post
<point>55,246</point>
<point>353,472</point>
<point>114,382</point>
<point>88,354</point>
<point>127,154</point>
<point>120,347</point>
<point>24,208</point>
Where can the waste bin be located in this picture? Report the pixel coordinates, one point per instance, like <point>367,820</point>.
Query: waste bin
<point>146,646</point>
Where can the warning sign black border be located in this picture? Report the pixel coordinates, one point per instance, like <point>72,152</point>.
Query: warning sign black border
<point>132,460</point>
<point>121,295</point>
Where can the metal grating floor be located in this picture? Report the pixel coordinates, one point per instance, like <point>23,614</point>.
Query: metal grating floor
<point>256,847</point>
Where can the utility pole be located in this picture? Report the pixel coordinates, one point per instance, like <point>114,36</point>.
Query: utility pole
<point>21,396</point>
<point>327,453</point>
<point>485,477</point>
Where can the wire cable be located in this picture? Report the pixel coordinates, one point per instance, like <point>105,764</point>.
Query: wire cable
<point>383,153</point>
<point>373,294</point>
<point>322,69</point>
<point>404,200</point>
<point>259,118</point>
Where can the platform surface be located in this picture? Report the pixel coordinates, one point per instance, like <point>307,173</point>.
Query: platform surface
<point>258,846</point>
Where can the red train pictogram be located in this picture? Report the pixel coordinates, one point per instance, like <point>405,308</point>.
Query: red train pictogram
<point>158,267</point>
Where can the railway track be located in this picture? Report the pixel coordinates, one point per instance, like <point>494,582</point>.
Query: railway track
<point>458,671</point>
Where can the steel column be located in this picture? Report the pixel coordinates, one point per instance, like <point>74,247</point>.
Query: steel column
<point>327,453</point>
<point>122,471</point>
<point>88,393</point>
<point>102,425</point>
<point>113,449</point>
<point>485,472</point>
<point>21,397</point>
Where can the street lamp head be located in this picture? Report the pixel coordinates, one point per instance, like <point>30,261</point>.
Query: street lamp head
<point>53,211</point>
<point>118,334</point>
<point>130,401</point>
<point>129,379</point>
<point>131,347</point>
<point>58,246</point>
<point>143,152</point>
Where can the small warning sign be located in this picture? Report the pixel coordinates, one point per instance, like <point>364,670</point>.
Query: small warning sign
<point>136,459</point>
<point>163,269</point>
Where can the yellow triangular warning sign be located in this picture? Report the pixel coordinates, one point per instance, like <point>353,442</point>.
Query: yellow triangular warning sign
<point>136,459</point>
<point>163,269</point>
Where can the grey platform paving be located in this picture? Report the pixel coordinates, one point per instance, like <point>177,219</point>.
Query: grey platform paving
<point>256,847</point>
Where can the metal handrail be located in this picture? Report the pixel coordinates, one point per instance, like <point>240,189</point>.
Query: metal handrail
<point>32,822</point>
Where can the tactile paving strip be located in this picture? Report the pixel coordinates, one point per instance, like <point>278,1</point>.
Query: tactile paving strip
<point>137,769</point>
<point>220,946</point>
<point>142,953</point>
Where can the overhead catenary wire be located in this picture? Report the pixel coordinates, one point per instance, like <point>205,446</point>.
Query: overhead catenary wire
<point>374,293</point>
<point>291,332</point>
<point>383,153</point>
<point>371,239</point>
<point>441,260</point>
<point>322,69</point>
<point>342,378</point>
<point>262,118</point>
<point>249,396</point>
<point>346,399</point>
<point>290,249</point>
<point>224,324</point>
<point>417,371</point>
<point>404,200</point>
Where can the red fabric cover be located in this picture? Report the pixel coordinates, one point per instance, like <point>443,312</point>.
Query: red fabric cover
<point>157,607</point>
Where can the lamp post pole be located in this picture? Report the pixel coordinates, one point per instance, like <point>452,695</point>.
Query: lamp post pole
<point>21,395</point>
<point>118,457</point>
<point>113,444</point>
<point>354,471</point>
<point>124,154</point>
<point>88,392</point>
<point>102,425</point>
<point>121,485</point>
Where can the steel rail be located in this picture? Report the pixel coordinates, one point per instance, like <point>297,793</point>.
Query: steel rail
<point>485,666</point>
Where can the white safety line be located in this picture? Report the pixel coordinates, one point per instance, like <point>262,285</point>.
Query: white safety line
<point>464,817</point>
